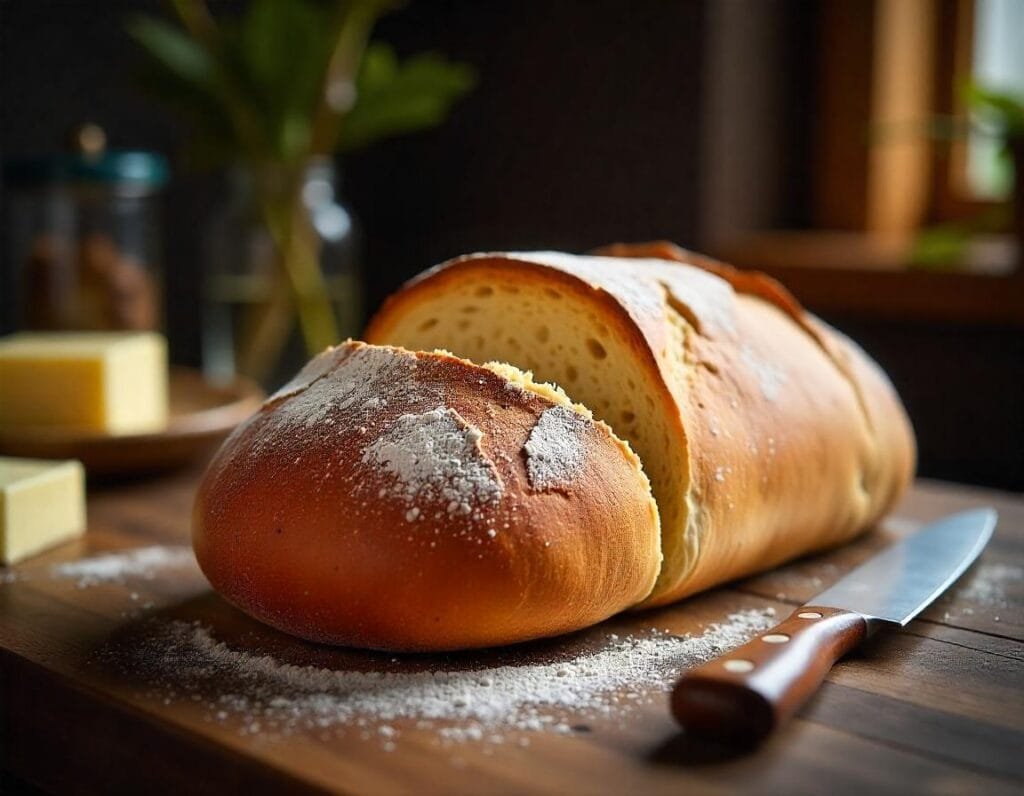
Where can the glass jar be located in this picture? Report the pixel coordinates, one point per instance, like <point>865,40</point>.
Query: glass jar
<point>243,275</point>
<point>84,245</point>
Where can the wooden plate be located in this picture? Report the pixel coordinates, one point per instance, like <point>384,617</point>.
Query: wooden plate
<point>201,415</point>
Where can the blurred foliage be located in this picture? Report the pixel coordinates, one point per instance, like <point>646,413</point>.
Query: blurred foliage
<point>393,97</point>
<point>998,114</point>
<point>272,87</point>
<point>939,246</point>
<point>942,246</point>
<point>275,82</point>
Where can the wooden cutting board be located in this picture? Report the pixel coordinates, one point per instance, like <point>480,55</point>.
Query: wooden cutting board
<point>936,707</point>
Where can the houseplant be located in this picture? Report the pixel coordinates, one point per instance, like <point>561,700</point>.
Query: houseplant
<point>272,90</point>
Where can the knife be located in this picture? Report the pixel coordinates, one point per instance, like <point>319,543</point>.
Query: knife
<point>750,691</point>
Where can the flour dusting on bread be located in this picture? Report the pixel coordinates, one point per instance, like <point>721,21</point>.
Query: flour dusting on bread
<point>436,455</point>
<point>358,385</point>
<point>339,512</point>
<point>314,370</point>
<point>554,449</point>
<point>769,377</point>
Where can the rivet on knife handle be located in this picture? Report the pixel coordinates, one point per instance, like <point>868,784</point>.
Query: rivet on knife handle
<point>747,693</point>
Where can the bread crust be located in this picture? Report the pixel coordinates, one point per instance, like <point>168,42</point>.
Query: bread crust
<point>893,459</point>
<point>794,439</point>
<point>303,521</point>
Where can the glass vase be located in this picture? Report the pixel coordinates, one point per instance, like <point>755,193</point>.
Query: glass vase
<point>282,277</point>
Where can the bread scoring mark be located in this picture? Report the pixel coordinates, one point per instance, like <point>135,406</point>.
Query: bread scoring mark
<point>314,370</point>
<point>554,449</point>
<point>769,377</point>
<point>682,310</point>
<point>705,301</point>
<point>435,456</point>
<point>349,387</point>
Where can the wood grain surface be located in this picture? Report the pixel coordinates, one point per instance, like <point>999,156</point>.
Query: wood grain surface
<point>937,707</point>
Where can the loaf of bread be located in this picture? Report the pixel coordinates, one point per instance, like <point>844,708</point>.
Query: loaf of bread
<point>765,433</point>
<point>416,501</point>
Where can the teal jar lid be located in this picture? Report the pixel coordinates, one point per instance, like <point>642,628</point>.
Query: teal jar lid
<point>128,168</point>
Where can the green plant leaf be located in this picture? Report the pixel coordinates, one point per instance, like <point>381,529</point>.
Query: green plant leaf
<point>939,247</point>
<point>253,85</point>
<point>283,47</point>
<point>379,68</point>
<point>395,98</point>
<point>175,51</point>
<point>204,111</point>
<point>183,74</point>
<point>1004,109</point>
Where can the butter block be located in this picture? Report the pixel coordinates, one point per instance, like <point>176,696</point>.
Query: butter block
<point>42,503</point>
<point>110,382</point>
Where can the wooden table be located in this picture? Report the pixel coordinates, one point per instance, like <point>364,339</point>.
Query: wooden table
<point>938,707</point>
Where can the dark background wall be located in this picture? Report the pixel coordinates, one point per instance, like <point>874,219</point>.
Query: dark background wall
<point>583,130</point>
<point>593,121</point>
<point>65,62</point>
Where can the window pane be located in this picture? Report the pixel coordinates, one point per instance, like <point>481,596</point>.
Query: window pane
<point>998,65</point>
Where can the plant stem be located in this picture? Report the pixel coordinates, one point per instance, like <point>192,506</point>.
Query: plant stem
<point>309,288</point>
<point>356,20</point>
<point>196,18</point>
<point>264,330</point>
<point>298,281</point>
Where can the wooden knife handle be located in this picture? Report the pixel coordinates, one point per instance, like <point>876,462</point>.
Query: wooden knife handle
<point>748,692</point>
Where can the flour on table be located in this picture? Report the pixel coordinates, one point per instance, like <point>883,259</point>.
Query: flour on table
<point>436,455</point>
<point>185,661</point>
<point>902,525</point>
<point>554,449</point>
<point>143,562</point>
<point>988,584</point>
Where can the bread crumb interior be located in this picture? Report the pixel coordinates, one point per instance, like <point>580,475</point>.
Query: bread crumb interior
<point>557,338</point>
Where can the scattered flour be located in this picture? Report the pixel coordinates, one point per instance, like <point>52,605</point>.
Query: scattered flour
<point>143,562</point>
<point>769,377</point>
<point>554,449</point>
<point>436,455</point>
<point>988,584</point>
<point>183,660</point>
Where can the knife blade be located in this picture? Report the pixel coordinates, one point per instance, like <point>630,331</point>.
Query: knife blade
<point>750,691</point>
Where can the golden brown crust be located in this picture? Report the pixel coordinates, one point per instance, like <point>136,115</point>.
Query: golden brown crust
<point>894,454</point>
<point>311,520</point>
<point>794,441</point>
<point>631,310</point>
<point>895,449</point>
